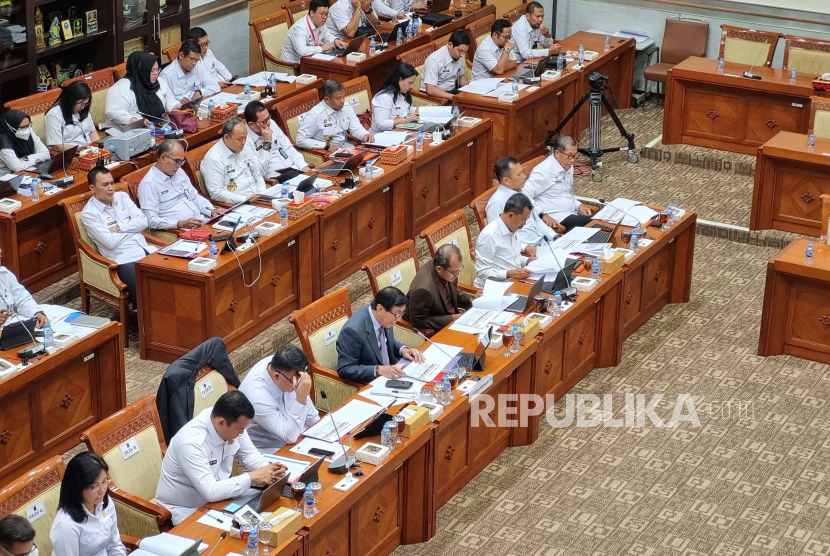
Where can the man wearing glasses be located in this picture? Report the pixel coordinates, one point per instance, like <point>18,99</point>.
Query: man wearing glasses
<point>434,299</point>
<point>17,537</point>
<point>550,187</point>
<point>494,56</point>
<point>280,388</point>
<point>167,197</point>
<point>274,151</point>
<point>214,67</point>
<point>366,346</point>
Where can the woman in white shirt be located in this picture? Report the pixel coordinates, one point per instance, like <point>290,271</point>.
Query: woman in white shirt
<point>392,104</point>
<point>73,106</point>
<point>20,149</point>
<point>86,524</point>
<point>139,94</point>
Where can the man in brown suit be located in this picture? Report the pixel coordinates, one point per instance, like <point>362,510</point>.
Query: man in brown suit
<point>434,299</point>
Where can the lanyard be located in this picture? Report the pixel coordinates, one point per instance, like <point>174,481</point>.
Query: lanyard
<point>308,22</point>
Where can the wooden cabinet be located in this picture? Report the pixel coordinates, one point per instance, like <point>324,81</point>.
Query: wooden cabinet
<point>150,26</point>
<point>278,285</point>
<point>378,518</point>
<point>580,343</point>
<point>451,462</point>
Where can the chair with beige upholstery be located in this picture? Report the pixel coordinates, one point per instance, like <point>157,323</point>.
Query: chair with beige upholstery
<point>193,164</point>
<point>479,204</point>
<point>417,58</point>
<point>512,15</point>
<point>172,52</point>
<point>36,107</point>
<point>99,82</point>
<point>454,228</point>
<point>478,31</point>
<point>219,386</point>
<point>747,46</point>
<point>318,324</point>
<point>397,267</point>
<point>820,117</point>
<point>806,55</point>
<point>134,479</point>
<point>40,484</point>
<point>119,71</point>
<point>271,31</point>
<point>290,113</point>
<point>296,9</point>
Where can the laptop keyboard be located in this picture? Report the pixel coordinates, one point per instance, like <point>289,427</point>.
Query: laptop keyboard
<point>599,237</point>
<point>518,305</point>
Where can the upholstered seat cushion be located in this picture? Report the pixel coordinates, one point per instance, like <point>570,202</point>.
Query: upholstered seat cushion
<point>809,61</point>
<point>139,473</point>
<point>41,525</point>
<point>459,238</point>
<point>216,388</point>
<point>658,72</point>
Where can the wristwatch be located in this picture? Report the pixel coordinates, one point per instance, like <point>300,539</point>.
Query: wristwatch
<point>266,146</point>
<point>377,371</point>
<point>328,144</point>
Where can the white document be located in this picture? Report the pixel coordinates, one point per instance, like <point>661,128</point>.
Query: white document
<point>295,467</point>
<point>248,211</point>
<point>616,210</point>
<point>388,138</point>
<point>482,86</point>
<point>319,183</point>
<point>306,444</point>
<point>423,372</point>
<point>166,544</point>
<point>441,354</point>
<point>61,327</point>
<point>347,418</point>
<point>57,312</point>
<point>260,79</point>
<point>227,98</point>
<point>502,88</point>
<point>547,262</point>
<point>206,519</point>
<point>385,397</point>
<point>573,238</point>
<point>636,34</point>
<point>324,57</point>
<point>494,303</point>
<point>496,288</point>
<point>435,111</point>
<point>184,247</point>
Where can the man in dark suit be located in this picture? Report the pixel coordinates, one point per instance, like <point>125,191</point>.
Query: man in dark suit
<point>366,346</point>
<point>434,299</point>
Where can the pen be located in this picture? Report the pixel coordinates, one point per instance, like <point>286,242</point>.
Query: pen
<point>395,395</point>
<point>216,518</point>
<point>525,282</point>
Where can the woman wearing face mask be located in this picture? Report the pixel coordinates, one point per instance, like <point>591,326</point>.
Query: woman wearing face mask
<point>138,95</point>
<point>72,106</point>
<point>86,524</point>
<point>392,105</point>
<point>20,148</point>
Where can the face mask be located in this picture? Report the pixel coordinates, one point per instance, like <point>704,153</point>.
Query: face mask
<point>23,133</point>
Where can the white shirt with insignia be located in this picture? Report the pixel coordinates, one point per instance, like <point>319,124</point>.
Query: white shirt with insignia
<point>121,106</point>
<point>385,110</point>
<point>76,134</point>
<point>533,230</point>
<point>304,39</point>
<point>442,70</point>
<point>215,68</point>
<point>15,298</point>
<point>525,37</point>
<point>181,85</point>
<point>127,244</point>
<point>96,536</point>
<point>323,121</point>
<point>167,199</point>
<point>273,161</point>
<point>486,58</point>
<point>497,251</point>
<point>231,177</point>
<point>551,189</point>
<point>340,13</point>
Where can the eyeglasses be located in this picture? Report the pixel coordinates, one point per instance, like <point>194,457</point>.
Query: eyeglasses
<point>396,315</point>
<point>155,71</point>
<point>32,551</point>
<point>21,128</point>
<point>83,102</point>
<point>97,487</point>
<point>506,37</point>
<point>264,123</point>
<point>569,156</point>
<point>179,161</point>
<point>455,272</point>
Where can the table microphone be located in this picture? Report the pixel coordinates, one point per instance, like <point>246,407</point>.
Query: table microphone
<point>341,465</point>
<point>177,131</point>
<point>749,74</point>
<point>66,180</point>
<point>221,537</point>
<point>383,44</point>
<point>570,291</point>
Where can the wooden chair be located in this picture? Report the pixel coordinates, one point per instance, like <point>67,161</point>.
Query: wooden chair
<point>746,46</point>
<point>133,480</point>
<point>318,325</point>
<point>681,39</point>
<point>441,42</point>
<point>397,267</point>
<point>36,106</point>
<point>98,275</point>
<point>40,485</point>
<point>454,228</point>
<point>271,31</point>
<point>193,166</point>
<point>119,71</point>
<point>417,58</point>
<point>172,52</point>
<point>479,206</point>
<point>478,31</point>
<point>806,55</point>
<point>133,179</point>
<point>296,9</point>
<point>99,82</point>
<point>290,113</point>
<point>512,15</point>
<point>208,374</point>
<point>820,117</point>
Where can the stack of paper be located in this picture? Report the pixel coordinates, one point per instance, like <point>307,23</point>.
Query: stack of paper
<point>260,79</point>
<point>482,86</point>
<point>306,444</point>
<point>294,467</point>
<point>435,114</point>
<point>493,296</point>
<point>502,88</point>
<point>389,138</point>
<point>573,238</point>
<point>476,321</point>
<point>636,34</point>
<point>385,397</point>
<point>319,183</point>
<point>347,418</point>
<point>632,213</point>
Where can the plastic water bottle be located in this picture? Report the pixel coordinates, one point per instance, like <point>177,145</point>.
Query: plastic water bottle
<point>721,66</point>
<point>246,93</point>
<point>557,303</point>
<point>152,129</point>
<point>372,46</point>
<point>371,163</point>
<point>308,497</point>
<point>560,63</point>
<point>386,437</point>
<point>792,76</point>
<point>670,223</point>
<point>48,337</point>
<point>111,149</point>
<point>399,37</point>
<point>463,4</point>
<point>581,56</point>
<point>517,339</point>
<point>284,215</point>
<point>595,270</point>
<point>419,142</point>
<point>808,256</point>
<point>406,7</point>
<point>253,544</point>
<point>35,190</point>
<point>213,253</point>
<point>416,23</point>
<point>456,113</point>
<point>811,142</point>
<point>210,107</point>
<point>515,86</point>
<point>272,82</point>
<point>284,189</point>
<point>635,242</point>
<point>607,43</point>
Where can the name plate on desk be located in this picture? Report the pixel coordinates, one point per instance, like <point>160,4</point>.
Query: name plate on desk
<point>482,385</point>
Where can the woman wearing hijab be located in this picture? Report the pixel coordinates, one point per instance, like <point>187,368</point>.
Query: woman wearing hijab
<point>138,95</point>
<point>20,148</point>
<point>72,106</point>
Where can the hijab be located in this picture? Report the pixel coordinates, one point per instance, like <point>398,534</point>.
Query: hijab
<point>8,139</point>
<point>139,66</point>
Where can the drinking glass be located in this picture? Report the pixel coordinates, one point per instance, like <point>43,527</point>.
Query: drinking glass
<point>507,341</point>
<point>664,220</point>
<point>297,492</point>
<point>540,303</point>
<point>401,421</point>
<point>393,428</point>
<point>625,236</point>
<point>317,489</point>
<point>264,530</point>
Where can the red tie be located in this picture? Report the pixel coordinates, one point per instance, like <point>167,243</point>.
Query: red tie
<point>447,294</point>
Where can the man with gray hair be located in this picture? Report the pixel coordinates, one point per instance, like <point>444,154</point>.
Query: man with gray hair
<point>327,124</point>
<point>167,197</point>
<point>434,299</point>
<point>17,536</point>
<point>498,250</point>
<point>551,187</point>
<point>230,168</point>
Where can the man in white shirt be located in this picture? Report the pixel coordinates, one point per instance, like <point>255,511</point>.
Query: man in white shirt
<point>114,224</point>
<point>550,187</point>
<point>16,300</point>
<point>230,168</point>
<point>279,387</point>
<point>273,149</point>
<point>498,249</point>
<point>325,126</point>
<point>528,31</point>
<point>198,464</point>
<point>214,67</point>
<point>444,68</point>
<point>167,197</point>
<point>17,536</point>
<point>310,35</point>
<point>494,56</point>
<point>347,16</point>
<point>185,79</point>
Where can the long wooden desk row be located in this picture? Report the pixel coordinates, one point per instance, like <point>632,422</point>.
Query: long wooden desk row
<point>396,502</point>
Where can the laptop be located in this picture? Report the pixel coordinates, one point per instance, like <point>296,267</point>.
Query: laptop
<point>563,277</point>
<point>402,25</point>
<point>17,333</point>
<point>260,501</point>
<point>310,475</point>
<point>138,124</point>
<point>529,73</point>
<point>353,46</point>
<point>525,303</point>
<point>335,168</point>
<point>436,6</point>
<point>603,235</point>
<point>57,162</point>
<point>10,186</point>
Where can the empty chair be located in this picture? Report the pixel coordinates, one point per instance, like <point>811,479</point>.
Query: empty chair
<point>747,46</point>
<point>806,55</point>
<point>681,39</point>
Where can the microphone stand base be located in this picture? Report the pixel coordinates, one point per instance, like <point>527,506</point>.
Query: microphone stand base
<point>341,465</point>
<point>750,75</point>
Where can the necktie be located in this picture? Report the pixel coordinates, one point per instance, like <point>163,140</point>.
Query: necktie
<point>448,296</point>
<point>384,353</point>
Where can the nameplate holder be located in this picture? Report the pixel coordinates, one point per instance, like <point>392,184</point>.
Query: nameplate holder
<point>201,264</point>
<point>482,385</point>
<point>306,78</point>
<point>37,511</point>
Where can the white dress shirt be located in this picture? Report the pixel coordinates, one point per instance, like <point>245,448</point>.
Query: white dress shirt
<point>76,134</point>
<point>167,199</point>
<point>385,110</point>
<point>182,85</point>
<point>486,58</point>
<point>231,177</point>
<point>304,39</point>
<point>15,298</point>
<point>525,37</point>
<point>340,13</point>
<point>10,163</point>
<point>442,70</point>
<point>214,67</point>
<point>272,162</point>
<point>551,191</point>
<point>127,245</point>
<point>279,419</point>
<point>96,536</point>
<point>497,251</point>
<point>534,229</point>
<point>198,464</point>
<point>121,106</point>
<point>323,121</point>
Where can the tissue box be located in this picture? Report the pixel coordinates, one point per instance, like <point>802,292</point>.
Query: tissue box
<point>508,97</point>
<point>614,263</point>
<point>394,155</point>
<point>306,78</point>
<point>529,330</point>
<point>584,284</point>
<point>372,453</point>
<point>627,253</point>
<point>355,57</point>
<point>551,75</point>
<point>468,121</point>
<point>222,114</point>
<point>417,417</point>
<point>435,410</point>
<point>88,159</point>
<point>298,210</point>
<point>286,523</point>
<point>9,205</point>
<point>201,264</point>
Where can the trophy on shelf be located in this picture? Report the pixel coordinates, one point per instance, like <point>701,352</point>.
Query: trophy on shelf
<point>54,37</point>
<point>44,78</point>
<point>41,42</point>
<point>77,22</point>
<point>88,68</point>
<point>91,21</point>
<point>66,26</point>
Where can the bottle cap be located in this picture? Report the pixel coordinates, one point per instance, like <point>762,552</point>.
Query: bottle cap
<point>558,292</point>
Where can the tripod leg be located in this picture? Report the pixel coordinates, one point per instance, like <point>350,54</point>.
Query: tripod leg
<point>628,136</point>
<point>554,132</point>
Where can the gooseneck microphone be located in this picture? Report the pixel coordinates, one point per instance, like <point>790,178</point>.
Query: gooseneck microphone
<point>570,291</point>
<point>341,465</point>
<point>749,74</point>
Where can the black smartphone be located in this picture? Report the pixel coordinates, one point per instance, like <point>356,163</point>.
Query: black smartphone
<point>321,452</point>
<point>399,384</point>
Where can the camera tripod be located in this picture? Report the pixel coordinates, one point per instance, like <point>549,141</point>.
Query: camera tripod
<point>598,99</point>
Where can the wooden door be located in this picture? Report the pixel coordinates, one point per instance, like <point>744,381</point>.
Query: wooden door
<point>485,441</point>
<point>378,521</point>
<point>456,186</point>
<point>808,316</point>
<point>632,297</point>
<point>767,116</point>
<point>334,541</point>
<point>580,343</point>
<point>426,194</point>
<point>657,280</point>
<point>551,361</point>
<point>712,116</point>
<point>524,122</point>
<point>66,401</point>
<point>372,226</point>
<point>234,301</point>
<point>16,434</point>
<point>44,247</point>
<point>797,191</point>
<point>277,286</point>
<point>451,461</point>
<point>337,245</point>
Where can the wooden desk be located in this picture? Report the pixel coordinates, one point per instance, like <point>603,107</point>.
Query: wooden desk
<point>45,406</point>
<point>789,179</point>
<point>179,309</point>
<point>796,315</point>
<point>730,112</point>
